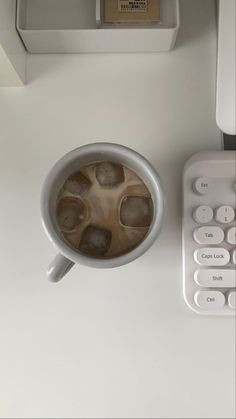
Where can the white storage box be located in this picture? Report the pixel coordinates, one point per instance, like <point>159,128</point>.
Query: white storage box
<point>73,26</point>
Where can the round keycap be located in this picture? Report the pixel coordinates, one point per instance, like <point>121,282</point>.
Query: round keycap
<point>231,235</point>
<point>232,299</point>
<point>224,214</point>
<point>201,185</point>
<point>203,214</point>
<point>233,256</point>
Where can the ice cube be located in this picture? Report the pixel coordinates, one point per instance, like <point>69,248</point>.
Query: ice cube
<point>109,174</point>
<point>77,184</point>
<point>70,213</point>
<point>95,241</point>
<point>136,211</point>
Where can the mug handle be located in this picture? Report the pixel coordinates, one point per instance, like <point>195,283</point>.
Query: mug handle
<point>58,268</point>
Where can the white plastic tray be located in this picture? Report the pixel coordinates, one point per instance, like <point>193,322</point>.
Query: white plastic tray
<point>73,26</point>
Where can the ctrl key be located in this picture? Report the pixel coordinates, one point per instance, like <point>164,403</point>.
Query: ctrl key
<point>209,300</point>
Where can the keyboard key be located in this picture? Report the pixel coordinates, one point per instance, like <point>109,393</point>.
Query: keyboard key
<point>232,299</point>
<point>208,235</point>
<point>224,214</point>
<point>203,214</point>
<point>231,235</point>
<point>212,256</point>
<point>216,278</point>
<point>201,185</point>
<point>233,257</point>
<point>210,300</point>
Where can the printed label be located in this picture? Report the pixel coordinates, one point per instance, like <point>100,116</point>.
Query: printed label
<point>132,5</point>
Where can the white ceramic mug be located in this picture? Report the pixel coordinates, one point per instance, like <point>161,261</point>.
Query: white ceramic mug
<point>71,163</point>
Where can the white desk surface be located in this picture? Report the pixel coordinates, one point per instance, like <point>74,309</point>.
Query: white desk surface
<point>118,343</point>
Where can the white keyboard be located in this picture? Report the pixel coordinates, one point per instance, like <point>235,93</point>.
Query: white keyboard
<point>209,233</point>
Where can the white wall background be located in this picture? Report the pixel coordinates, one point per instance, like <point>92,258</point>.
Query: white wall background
<point>118,343</point>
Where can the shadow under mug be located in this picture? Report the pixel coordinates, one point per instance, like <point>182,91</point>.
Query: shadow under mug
<point>71,163</point>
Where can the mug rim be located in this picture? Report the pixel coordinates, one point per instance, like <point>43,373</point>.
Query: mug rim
<point>58,241</point>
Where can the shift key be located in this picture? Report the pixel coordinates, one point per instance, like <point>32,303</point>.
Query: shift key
<point>215,278</point>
